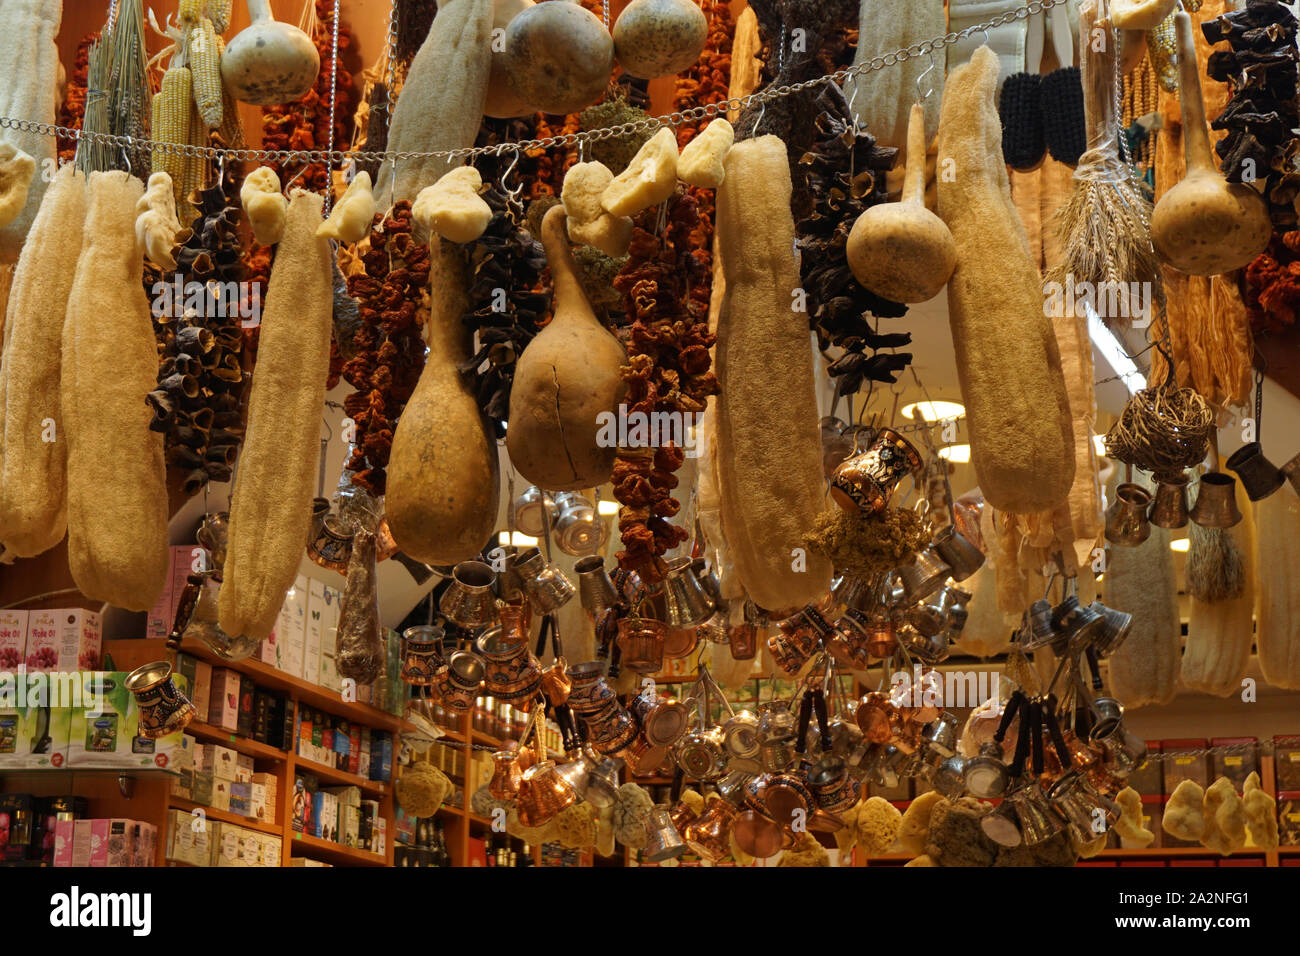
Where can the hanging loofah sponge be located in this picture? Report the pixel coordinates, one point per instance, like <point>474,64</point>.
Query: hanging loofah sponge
<point>915,825</point>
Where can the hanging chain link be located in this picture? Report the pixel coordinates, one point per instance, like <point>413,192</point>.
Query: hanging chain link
<point>649,125</point>
<point>334,96</point>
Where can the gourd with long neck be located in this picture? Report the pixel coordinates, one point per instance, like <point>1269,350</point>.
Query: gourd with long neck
<point>901,250</point>
<point>1204,225</point>
<point>443,472</point>
<point>566,378</point>
<point>268,63</point>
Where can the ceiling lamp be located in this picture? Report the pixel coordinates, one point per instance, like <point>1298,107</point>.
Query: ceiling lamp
<point>608,508</point>
<point>1180,545</point>
<point>517,540</point>
<point>935,411</point>
<point>957,454</point>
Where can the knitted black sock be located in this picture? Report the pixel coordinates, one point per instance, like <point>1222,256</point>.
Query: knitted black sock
<point>1064,126</point>
<point>1023,145</point>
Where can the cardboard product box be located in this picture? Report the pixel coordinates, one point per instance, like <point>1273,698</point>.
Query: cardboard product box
<point>244,718</point>
<point>379,836</point>
<point>64,839</point>
<point>220,793</point>
<point>241,798</point>
<point>190,840</point>
<point>120,844</point>
<point>350,826</point>
<point>182,785</point>
<point>288,712</point>
<point>1288,817</point>
<point>261,715</point>
<point>341,744</point>
<point>354,751</point>
<point>158,622</point>
<point>272,849</point>
<point>43,635</point>
<point>268,652</point>
<point>1286,757</point>
<point>291,631</point>
<point>81,640</point>
<point>219,761</point>
<point>201,690</point>
<point>13,640</point>
<point>18,826</point>
<point>34,738</point>
<point>322,634</point>
<point>203,785</point>
<point>83,842</point>
<point>304,862</point>
<point>243,768</point>
<point>329,676</point>
<point>1236,763</point>
<point>325,816</point>
<point>102,737</point>
<point>260,806</point>
<point>1181,763</point>
<point>223,707</point>
<point>146,844</point>
<point>306,717</point>
<point>304,790</point>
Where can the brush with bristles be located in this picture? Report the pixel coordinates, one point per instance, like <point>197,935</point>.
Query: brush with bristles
<point>1104,226</point>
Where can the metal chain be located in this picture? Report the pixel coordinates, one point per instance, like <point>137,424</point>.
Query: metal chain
<point>650,125</point>
<point>334,96</point>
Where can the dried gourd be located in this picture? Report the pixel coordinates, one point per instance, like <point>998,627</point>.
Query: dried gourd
<point>452,207</point>
<point>156,225</point>
<point>1008,362</point>
<point>267,62</point>
<point>33,470</point>
<point>16,172</point>
<point>264,204</point>
<point>566,380</point>
<point>117,483</point>
<point>1219,634</point>
<point>649,179</point>
<point>768,440</point>
<point>1141,581</point>
<point>29,59</point>
<point>351,217</point>
<point>702,161</point>
<point>1277,637</point>
<point>654,38</point>
<point>443,471</point>
<point>441,106</point>
<point>558,57</point>
<point>271,506</point>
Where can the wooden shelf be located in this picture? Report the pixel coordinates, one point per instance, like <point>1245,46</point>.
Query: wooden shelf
<point>329,852</point>
<point>225,816</point>
<point>341,778</point>
<point>244,745</point>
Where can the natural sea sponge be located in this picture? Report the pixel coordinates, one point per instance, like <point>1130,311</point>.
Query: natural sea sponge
<point>16,172</point>
<point>915,825</point>
<point>422,789</point>
<point>588,222</point>
<point>575,826</point>
<point>1184,816</point>
<point>956,838</point>
<point>264,205</point>
<point>1008,362</point>
<point>1261,814</point>
<point>703,160</point>
<point>1129,825</point>
<point>352,215</point>
<point>648,180</point>
<point>806,852</point>
<point>1225,818</point>
<point>452,207</point>
<point>877,823</point>
<point>156,225</point>
<point>632,807</point>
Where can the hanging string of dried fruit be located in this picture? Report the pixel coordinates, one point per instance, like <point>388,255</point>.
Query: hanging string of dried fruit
<point>198,325</point>
<point>1261,67</point>
<point>507,296</point>
<point>843,181</point>
<point>1272,286</point>
<point>393,296</point>
<point>668,370</point>
<point>824,28</point>
<point>304,123</point>
<point>414,18</point>
<point>73,109</point>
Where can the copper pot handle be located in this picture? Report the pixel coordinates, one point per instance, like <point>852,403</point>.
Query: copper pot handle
<point>805,717</point>
<point>184,611</point>
<point>823,719</point>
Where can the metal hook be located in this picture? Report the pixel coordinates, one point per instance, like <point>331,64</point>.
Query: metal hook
<point>985,31</point>
<point>294,179</point>
<point>126,155</point>
<point>922,75</point>
<point>762,111</point>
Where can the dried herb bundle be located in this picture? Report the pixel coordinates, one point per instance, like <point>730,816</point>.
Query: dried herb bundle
<point>868,545</point>
<point>117,98</point>
<point>197,320</point>
<point>845,173</point>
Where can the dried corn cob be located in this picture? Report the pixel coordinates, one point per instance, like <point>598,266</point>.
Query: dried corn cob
<point>219,14</point>
<point>202,54</point>
<point>171,124</point>
<point>190,11</point>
